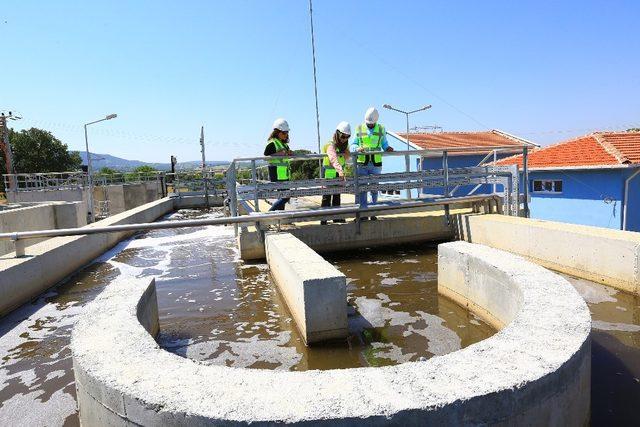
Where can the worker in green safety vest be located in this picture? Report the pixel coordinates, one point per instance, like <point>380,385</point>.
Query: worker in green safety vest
<point>337,151</point>
<point>279,168</point>
<point>370,136</point>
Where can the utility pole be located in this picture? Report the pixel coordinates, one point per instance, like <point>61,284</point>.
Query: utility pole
<point>6,147</point>
<point>204,169</point>
<point>315,84</point>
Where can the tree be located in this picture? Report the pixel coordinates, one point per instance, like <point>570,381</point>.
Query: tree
<point>306,169</point>
<point>37,150</point>
<point>633,130</point>
<point>145,169</point>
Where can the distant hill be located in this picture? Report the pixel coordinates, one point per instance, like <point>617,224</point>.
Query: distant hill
<point>106,160</point>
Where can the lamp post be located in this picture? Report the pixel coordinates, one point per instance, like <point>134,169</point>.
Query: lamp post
<point>89,168</point>
<point>407,113</point>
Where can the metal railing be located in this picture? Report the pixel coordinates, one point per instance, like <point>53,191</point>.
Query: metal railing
<point>504,179</point>
<point>19,237</point>
<point>52,181</point>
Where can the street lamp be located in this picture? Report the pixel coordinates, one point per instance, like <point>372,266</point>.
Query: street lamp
<point>89,169</point>
<point>407,113</point>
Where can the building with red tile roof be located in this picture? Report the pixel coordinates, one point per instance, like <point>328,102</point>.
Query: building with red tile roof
<point>458,141</point>
<point>597,150</point>
<point>592,180</point>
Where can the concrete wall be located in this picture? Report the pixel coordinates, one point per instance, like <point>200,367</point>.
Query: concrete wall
<point>40,217</point>
<point>536,371</point>
<point>52,260</point>
<point>611,257</point>
<point>121,196</point>
<point>335,237</point>
<point>314,290</point>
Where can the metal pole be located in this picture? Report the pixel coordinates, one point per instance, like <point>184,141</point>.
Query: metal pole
<point>254,182</point>
<point>525,178</point>
<point>204,169</point>
<point>445,171</point>
<point>89,178</point>
<point>495,159</point>
<point>8,154</point>
<point>315,80</point>
<point>406,158</point>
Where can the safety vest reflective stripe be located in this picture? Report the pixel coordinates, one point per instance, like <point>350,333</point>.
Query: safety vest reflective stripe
<point>283,166</point>
<point>370,142</point>
<point>329,170</point>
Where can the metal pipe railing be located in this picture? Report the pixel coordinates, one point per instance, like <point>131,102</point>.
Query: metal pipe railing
<point>18,236</point>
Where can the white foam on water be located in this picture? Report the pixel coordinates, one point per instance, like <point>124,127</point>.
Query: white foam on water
<point>612,326</point>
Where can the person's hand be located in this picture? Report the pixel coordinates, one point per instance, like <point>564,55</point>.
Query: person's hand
<point>343,179</point>
<point>360,149</point>
<point>289,153</point>
<point>389,149</point>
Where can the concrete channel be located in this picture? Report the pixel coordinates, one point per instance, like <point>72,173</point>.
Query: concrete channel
<point>480,279</point>
<point>536,369</point>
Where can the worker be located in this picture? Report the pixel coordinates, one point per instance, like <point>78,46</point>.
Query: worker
<point>370,136</point>
<point>279,169</point>
<point>337,151</point>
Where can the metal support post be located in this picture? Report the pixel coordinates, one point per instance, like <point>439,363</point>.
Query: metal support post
<point>445,171</point>
<point>20,246</point>
<point>407,166</point>
<point>356,189</point>
<point>254,182</point>
<point>525,179</point>
<point>204,169</point>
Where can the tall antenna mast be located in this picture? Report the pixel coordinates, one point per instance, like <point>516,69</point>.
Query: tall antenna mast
<point>315,80</point>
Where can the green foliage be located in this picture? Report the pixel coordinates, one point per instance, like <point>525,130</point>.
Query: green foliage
<point>306,169</point>
<point>633,130</point>
<point>107,171</point>
<point>37,150</point>
<point>145,169</point>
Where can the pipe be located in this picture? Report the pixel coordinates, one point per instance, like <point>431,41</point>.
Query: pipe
<point>19,235</point>
<point>626,198</point>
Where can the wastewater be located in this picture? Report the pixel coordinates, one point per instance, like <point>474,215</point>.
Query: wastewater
<point>216,309</point>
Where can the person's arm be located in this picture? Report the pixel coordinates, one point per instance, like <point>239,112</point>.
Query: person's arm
<point>270,149</point>
<point>385,144</point>
<point>333,159</point>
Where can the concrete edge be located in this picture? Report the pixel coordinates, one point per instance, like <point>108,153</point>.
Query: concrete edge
<point>53,260</point>
<point>536,370</point>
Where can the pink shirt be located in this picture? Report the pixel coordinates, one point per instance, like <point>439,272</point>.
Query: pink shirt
<point>333,158</point>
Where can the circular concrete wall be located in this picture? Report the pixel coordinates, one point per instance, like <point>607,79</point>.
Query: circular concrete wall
<point>536,370</point>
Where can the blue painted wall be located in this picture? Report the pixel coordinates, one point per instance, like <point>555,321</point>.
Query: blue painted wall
<point>633,208</point>
<point>589,197</point>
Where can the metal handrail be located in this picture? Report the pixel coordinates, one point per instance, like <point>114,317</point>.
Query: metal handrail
<point>253,218</point>
<point>390,153</point>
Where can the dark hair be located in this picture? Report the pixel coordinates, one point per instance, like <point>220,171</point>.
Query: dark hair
<point>342,146</point>
<point>274,134</point>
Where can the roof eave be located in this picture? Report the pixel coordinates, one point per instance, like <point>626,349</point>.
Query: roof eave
<point>586,167</point>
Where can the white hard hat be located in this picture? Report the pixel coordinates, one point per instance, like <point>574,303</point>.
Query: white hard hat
<point>281,125</point>
<point>371,116</point>
<point>344,127</point>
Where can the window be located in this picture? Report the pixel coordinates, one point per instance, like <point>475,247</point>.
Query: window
<point>547,186</point>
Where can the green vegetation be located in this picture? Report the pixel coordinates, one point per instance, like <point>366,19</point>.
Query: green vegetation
<point>633,130</point>
<point>37,150</point>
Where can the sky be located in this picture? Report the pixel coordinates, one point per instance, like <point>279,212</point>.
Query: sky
<point>542,70</point>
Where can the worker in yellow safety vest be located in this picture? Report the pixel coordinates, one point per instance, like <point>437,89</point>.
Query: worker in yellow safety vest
<point>337,151</point>
<point>370,136</point>
<point>279,168</point>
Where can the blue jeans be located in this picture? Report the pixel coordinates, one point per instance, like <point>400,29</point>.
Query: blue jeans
<point>363,170</point>
<point>278,205</point>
